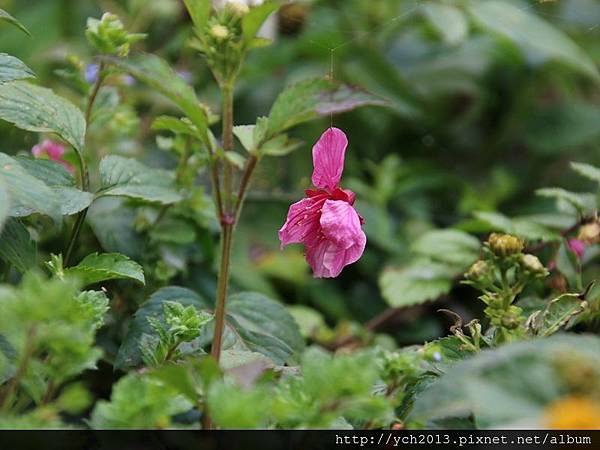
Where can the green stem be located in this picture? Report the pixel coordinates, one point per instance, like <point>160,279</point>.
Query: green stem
<point>21,371</point>
<point>83,169</point>
<point>227,220</point>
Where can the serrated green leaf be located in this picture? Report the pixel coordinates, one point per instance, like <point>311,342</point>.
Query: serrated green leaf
<point>6,17</point>
<point>312,98</point>
<point>156,73</point>
<point>245,134</point>
<point>28,194</point>
<point>126,177</point>
<point>557,314</point>
<point>449,21</point>
<point>531,33</point>
<point>12,68</point>
<point>106,266</point>
<point>129,354</point>
<point>582,202</point>
<point>449,246</point>
<point>255,17</point>
<point>264,325</point>
<point>16,246</point>
<point>587,170</point>
<point>505,385</point>
<point>57,178</point>
<point>34,108</point>
<point>416,284</point>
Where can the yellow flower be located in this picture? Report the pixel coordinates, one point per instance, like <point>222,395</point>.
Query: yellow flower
<point>573,413</point>
<point>219,31</point>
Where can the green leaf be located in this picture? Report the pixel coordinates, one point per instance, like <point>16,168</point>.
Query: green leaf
<point>448,21</point>
<point>12,69</point>
<point>556,315</point>
<point>127,177</point>
<point>6,17</point>
<point>57,178</point>
<point>106,266</point>
<point>4,202</point>
<point>139,401</point>
<point>129,354</point>
<point>16,246</point>
<point>415,284</point>
<point>313,98</point>
<point>587,170</point>
<point>506,385</point>
<point>28,194</point>
<point>245,134</point>
<point>113,223</point>
<point>176,126</point>
<point>531,33</point>
<point>582,202</point>
<point>156,73</point>
<point>199,11</point>
<point>255,17</point>
<point>235,159</point>
<point>562,127</point>
<point>263,325</point>
<point>522,227</point>
<point>280,145</point>
<point>34,108</point>
<point>449,246</point>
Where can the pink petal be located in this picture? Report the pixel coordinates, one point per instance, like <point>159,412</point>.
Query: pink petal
<point>340,223</point>
<point>328,158</point>
<point>576,246</point>
<point>341,242</point>
<point>302,221</point>
<point>55,150</point>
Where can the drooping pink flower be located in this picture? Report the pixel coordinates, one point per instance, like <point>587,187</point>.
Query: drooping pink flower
<point>52,150</point>
<point>325,220</point>
<point>576,246</point>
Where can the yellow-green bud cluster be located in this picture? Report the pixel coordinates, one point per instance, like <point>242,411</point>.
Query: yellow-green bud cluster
<point>478,270</point>
<point>505,244</point>
<point>533,264</point>
<point>109,36</point>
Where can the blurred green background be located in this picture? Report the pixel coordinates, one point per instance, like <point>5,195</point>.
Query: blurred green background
<point>481,115</point>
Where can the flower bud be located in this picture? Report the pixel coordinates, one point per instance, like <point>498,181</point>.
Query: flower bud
<point>589,233</point>
<point>505,244</point>
<point>236,8</point>
<point>478,270</point>
<point>219,32</point>
<point>532,263</point>
<point>109,36</point>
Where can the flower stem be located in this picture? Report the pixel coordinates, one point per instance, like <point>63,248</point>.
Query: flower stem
<point>83,169</point>
<point>227,220</point>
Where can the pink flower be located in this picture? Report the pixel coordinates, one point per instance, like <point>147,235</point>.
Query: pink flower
<point>325,221</point>
<point>52,150</point>
<point>576,246</point>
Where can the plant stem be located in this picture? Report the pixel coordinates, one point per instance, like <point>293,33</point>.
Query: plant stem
<point>245,180</point>
<point>21,371</point>
<point>83,169</point>
<point>227,220</point>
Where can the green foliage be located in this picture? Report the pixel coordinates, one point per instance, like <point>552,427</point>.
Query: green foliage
<point>109,36</point>
<point>12,69</point>
<point>16,246</point>
<point>34,108</point>
<point>106,266</point>
<point>6,17</point>
<point>139,402</point>
<point>531,33</point>
<point>503,386</point>
<point>124,177</point>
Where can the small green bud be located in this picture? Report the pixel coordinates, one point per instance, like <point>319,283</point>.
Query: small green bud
<point>219,32</point>
<point>505,244</point>
<point>478,270</point>
<point>532,264</point>
<point>109,36</point>
<point>512,319</point>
